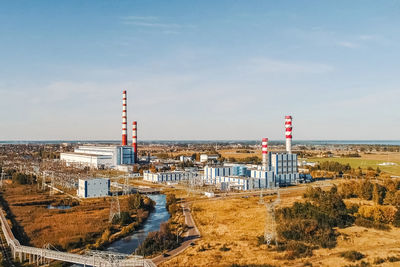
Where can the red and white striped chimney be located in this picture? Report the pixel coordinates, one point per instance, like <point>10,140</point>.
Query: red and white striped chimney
<point>288,126</point>
<point>124,118</point>
<point>264,145</point>
<point>134,140</point>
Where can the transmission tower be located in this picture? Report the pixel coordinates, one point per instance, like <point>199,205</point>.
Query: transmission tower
<point>52,184</point>
<point>261,201</point>
<point>44,180</point>
<point>126,186</point>
<point>270,223</point>
<point>2,177</point>
<point>114,208</point>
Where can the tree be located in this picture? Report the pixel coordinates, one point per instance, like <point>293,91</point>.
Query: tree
<point>378,194</point>
<point>134,202</point>
<point>396,221</point>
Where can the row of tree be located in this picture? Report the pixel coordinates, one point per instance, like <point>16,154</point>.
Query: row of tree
<point>387,193</point>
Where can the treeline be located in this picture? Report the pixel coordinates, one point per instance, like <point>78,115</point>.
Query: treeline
<point>251,160</point>
<point>164,239</point>
<point>386,193</point>
<point>332,166</point>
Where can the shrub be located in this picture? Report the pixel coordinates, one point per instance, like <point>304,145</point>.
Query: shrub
<point>224,248</point>
<point>392,259</point>
<point>361,264</point>
<point>379,260</point>
<point>252,265</point>
<point>296,249</point>
<point>396,219</point>
<point>158,241</point>
<point>352,255</point>
<point>378,194</point>
<point>371,224</point>
<point>378,213</point>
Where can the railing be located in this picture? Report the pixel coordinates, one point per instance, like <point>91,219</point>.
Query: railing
<point>41,253</point>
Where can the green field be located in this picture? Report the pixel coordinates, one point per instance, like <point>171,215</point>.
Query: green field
<point>363,163</point>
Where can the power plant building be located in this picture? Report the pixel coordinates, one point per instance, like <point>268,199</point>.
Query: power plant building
<point>99,157</point>
<point>93,187</point>
<point>103,157</point>
<point>277,169</point>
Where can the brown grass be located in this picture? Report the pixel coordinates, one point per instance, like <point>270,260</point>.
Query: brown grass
<point>57,227</point>
<point>236,222</point>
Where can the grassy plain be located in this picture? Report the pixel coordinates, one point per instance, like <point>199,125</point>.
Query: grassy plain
<point>369,160</point>
<point>235,223</point>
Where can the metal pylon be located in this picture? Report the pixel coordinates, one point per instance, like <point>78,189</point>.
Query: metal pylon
<point>270,223</point>
<point>114,208</point>
<point>52,184</point>
<point>126,186</point>
<point>2,177</point>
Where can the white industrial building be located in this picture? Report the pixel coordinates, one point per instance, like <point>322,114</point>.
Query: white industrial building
<point>99,157</point>
<point>162,177</point>
<point>280,169</point>
<point>206,158</point>
<point>93,187</point>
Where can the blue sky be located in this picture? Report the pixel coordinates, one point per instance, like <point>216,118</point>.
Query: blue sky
<point>200,69</point>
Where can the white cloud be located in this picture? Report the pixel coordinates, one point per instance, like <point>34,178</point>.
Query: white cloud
<point>347,44</point>
<point>289,67</point>
<point>150,22</point>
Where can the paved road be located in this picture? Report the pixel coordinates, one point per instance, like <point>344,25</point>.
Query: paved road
<point>190,236</point>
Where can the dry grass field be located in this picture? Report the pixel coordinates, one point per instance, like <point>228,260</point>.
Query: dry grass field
<point>57,227</point>
<point>235,223</point>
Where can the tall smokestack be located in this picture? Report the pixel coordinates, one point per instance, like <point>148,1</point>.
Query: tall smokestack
<point>288,126</point>
<point>264,144</point>
<point>124,117</point>
<point>134,140</point>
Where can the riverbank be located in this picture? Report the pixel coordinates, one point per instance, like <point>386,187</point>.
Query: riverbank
<point>129,243</point>
<point>73,229</point>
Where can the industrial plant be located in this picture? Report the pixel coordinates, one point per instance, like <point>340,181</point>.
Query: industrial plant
<point>107,157</point>
<point>277,169</point>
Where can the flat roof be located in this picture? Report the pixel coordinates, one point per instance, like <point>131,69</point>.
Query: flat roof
<point>84,154</point>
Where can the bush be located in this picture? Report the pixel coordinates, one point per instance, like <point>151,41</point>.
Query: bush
<point>352,255</point>
<point>361,264</point>
<point>379,260</point>
<point>378,213</point>
<point>371,224</point>
<point>252,265</point>
<point>296,249</point>
<point>396,219</point>
<point>378,194</point>
<point>224,248</point>
<point>392,259</point>
<point>158,241</point>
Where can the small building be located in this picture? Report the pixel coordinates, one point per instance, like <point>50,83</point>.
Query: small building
<point>207,158</point>
<point>93,187</point>
<point>185,159</point>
